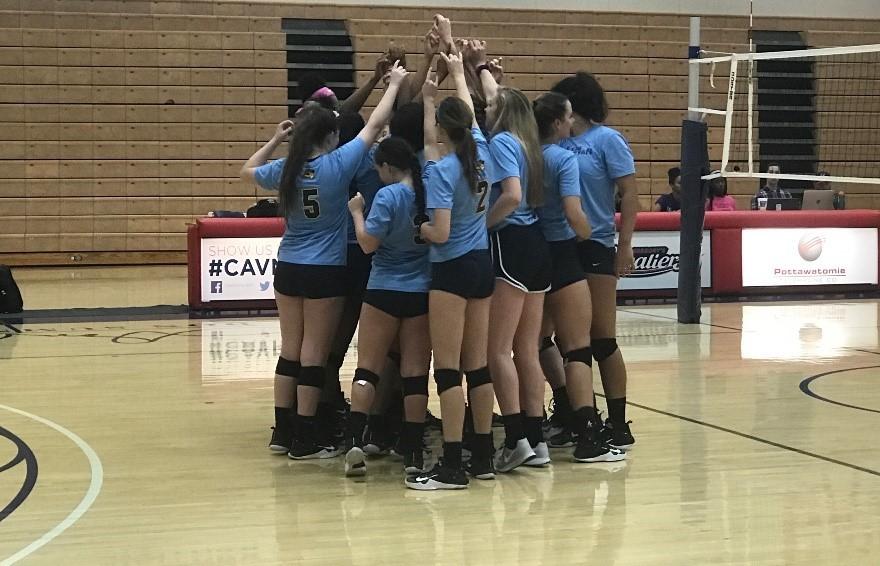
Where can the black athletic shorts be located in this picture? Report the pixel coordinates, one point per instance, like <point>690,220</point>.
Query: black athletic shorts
<point>469,276</point>
<point>566,264</point>
<point>311,281</point>
<point>399,304</point>
<point>521,257</point>
<point>358,270</point>
<point>597,259</point>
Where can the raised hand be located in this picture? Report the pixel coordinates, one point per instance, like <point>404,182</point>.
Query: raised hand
<point>429,89</point>
<point>432,43</point>
<point>444,28</point>
<point>476,52</point>
<point>453,63</point>
<point>283,130</point>
<point>396,74</point>
<point>496,69</point>
<point>382,66</point>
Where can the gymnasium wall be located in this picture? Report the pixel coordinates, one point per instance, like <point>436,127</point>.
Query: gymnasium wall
<point>122,121</point>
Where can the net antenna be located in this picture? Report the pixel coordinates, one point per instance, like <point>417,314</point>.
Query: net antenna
<point>817,110</point>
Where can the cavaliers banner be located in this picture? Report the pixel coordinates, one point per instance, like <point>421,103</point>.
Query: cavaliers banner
<point>657,256</point>
<point>238,269</point>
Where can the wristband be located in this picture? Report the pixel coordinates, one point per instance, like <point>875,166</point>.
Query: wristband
<point>483,67</point>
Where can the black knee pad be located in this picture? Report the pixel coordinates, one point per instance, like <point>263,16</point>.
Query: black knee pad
<point>287,368</point>
<point>604,348</point>
<point>334,361</point>
<point>547,342</point>
<point>582,355</point>
<point>365,375</point>
<point>394,357</point>
<point>447,379</point>
<point>478,377</point>
<point>415,385</point>
<point>312,376</point>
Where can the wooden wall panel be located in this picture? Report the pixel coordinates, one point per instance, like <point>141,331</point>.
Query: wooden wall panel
<point>123,120</point>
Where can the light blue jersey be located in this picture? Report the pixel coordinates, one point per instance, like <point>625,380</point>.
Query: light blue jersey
<point>314,232</point>
<point>367,183</point>
<point>447,188</point>
<point>510,161</point>
<point>603,156</point>
<point>561,179</point>
<point>401,263</point>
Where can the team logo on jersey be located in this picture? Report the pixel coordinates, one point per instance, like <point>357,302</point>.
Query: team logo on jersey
<point>308,174</point>
<point>810,246</point>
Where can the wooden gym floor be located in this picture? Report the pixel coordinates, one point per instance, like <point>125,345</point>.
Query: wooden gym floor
<point>144,442</point>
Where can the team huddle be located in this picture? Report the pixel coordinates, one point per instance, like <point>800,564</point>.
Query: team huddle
<point>479,234</point>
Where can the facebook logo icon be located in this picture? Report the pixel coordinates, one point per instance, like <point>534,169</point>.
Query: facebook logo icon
<point>216,287</point>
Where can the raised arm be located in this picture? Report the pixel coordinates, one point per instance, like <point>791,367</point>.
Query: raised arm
<point>356,101</point>
<point>429,98</point>
<point>456,69</point>
<point>382,113</point>
<point>264,153</point>
<point>432,46</point>
<point>487,78</point>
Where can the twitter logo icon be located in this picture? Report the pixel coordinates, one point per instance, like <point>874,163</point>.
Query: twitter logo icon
<point>264,286</point>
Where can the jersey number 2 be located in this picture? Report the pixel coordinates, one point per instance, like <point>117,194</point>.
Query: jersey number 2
<point>311,207</point>
<point>482,193</point>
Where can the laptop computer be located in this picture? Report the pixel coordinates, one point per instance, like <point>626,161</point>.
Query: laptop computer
<point>818,199</point>
<point>783,204</point>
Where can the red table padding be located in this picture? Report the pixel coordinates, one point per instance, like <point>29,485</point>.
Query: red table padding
<point>239,227</point>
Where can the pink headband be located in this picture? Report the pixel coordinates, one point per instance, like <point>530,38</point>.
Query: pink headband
<point>322,92</point>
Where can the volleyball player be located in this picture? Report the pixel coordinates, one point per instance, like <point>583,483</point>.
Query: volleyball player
<point>396,301</point>
<point>331,410</point>
<point>310,281</point>
<point>522,267</point>
<point>605,161</point>
<point>461,279</point>
<point>568,309</point>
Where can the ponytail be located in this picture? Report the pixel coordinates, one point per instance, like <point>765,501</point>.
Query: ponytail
<point>456,119</point>
<point>395,151</point>
<point>310,131</point>
<point>466,151</point>
<point>415,169</point>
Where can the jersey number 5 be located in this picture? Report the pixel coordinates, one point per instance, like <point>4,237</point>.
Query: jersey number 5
<point>482,193</point>
<point>311,207</point>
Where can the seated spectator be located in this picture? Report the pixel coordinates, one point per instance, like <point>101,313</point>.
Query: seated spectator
<point>771,188</point>
<point>671,201</point>
<point>718,197</point>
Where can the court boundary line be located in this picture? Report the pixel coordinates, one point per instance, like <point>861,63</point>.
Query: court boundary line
<point>865,351</point>
<point>709,324</point>
<point>772,443</point>
<point>804,386</point>
<point>95,484</point>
